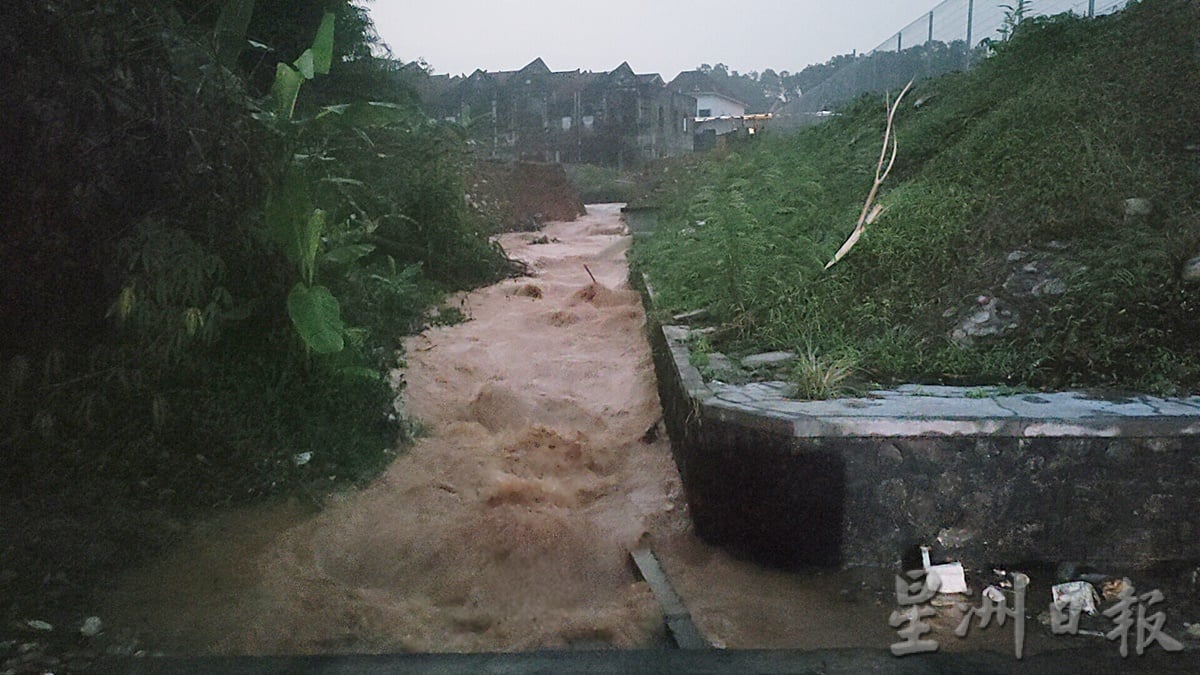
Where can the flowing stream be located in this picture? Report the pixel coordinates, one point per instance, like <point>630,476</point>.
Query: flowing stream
<point>507,526</point>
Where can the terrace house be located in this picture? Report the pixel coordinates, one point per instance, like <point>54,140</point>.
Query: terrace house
<point>619,118</point>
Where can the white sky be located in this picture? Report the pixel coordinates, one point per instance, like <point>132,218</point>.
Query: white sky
<point>654,36</point>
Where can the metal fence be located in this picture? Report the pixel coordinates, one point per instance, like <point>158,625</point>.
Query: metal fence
<point>945,39</point>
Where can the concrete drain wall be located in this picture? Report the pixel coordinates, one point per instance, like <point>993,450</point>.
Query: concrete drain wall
<point>986,478</point>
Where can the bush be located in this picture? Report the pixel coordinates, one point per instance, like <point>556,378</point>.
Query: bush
<point>151,365</point>
<point>601,185</point>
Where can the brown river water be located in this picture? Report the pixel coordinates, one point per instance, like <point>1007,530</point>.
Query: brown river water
<point>507,526</point>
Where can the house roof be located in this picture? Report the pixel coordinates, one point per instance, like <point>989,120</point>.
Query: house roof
<point>433,88</point>
<point>573,81</point>
<point>623,69</point>
<point>562,83</point>
<point>623,75</point>
<point>535,67</point>
<point>538,67</point>
<point>698,83</point>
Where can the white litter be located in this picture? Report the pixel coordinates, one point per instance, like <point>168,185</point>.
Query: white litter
<point>1075,596</point>
<point>91,626</point>
<point>951,575</point>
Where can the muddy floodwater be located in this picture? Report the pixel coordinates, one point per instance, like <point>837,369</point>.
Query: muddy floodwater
<point>507,526</point>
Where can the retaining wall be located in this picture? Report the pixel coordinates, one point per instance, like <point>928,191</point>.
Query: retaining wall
<point>984,478</point>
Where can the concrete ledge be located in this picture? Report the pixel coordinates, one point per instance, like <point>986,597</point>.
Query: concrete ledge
<point>983,475</point>
<point>914,411</point>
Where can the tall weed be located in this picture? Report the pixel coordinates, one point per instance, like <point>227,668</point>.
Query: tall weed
<point>1033,150</point>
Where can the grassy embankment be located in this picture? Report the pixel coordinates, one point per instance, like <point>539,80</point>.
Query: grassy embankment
<point>601,185</point>
<point>1034,151</point>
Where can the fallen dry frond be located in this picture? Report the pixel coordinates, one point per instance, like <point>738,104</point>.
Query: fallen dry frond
<point>869,212</point>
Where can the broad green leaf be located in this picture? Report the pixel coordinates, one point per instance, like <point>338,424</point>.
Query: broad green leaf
<point>347,254</point>
<point>363,372</point>
<point>317,317</point>
<point>364,114</point>
<point>356,336</point>
<point>305,64</point>
<point>285,90</point>
<point>287,211</point>
<point>410,273</point>
<point>322,48</point>
<point>309,242</point>
<point>231,30</point>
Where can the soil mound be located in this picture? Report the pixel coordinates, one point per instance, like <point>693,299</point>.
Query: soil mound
<point>601,296</point>
<point>522,196</point>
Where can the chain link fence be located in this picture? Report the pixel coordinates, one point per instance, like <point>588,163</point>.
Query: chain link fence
<point>947,38</point>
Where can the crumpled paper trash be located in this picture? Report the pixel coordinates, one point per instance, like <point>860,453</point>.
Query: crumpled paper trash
<point>1076,596</point>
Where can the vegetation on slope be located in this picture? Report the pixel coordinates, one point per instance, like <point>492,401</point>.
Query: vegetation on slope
<point>601,184</point>
<point>152,360</point>
<point>1022,163</point>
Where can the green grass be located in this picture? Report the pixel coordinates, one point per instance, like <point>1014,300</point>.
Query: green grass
<point>600,184</point>
<point>1034,150</point>
<point>820,377</point>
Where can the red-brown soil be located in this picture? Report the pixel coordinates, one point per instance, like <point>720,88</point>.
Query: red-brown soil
<point>522,196</point>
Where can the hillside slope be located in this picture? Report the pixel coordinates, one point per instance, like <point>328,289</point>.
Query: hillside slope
<point>1005,253</point>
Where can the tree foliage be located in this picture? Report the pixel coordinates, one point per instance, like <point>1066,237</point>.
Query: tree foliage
<point>173,241</point>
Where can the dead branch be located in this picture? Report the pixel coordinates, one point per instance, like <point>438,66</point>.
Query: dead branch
<point>869,214</point>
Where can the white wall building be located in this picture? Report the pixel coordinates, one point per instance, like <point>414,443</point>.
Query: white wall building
<point>711,104</point>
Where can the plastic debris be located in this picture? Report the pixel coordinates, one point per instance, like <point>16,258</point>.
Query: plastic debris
<point>1000,578</point>
<point>1075,596</point>
<point>994,594</point>
<point>953,579</point>
<point>1193,629</point>
<point>302,458</point>
<point>91,626</point>
<point>1138,207</point>
<point>39,625</point>
<point>1113,587</point>
<point>954,537</point>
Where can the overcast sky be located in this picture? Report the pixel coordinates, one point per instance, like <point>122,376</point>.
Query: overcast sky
<point>654,36</point>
